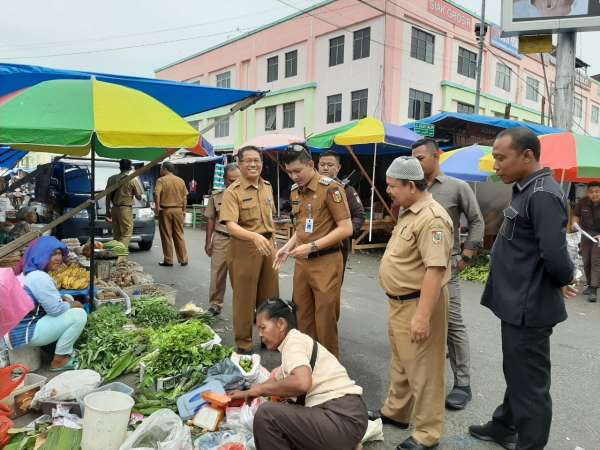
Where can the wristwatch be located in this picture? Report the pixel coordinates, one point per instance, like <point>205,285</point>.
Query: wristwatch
<point>313,247</point>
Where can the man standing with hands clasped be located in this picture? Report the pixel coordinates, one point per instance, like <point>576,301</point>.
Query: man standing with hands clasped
<point>247,210</point>
<point>457,198</point>
<point>322,222</point>
<point>414,271</point>
<point>530,274</point>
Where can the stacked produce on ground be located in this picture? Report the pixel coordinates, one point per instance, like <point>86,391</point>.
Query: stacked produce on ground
<point>117,247</point>
<point>73,277</point>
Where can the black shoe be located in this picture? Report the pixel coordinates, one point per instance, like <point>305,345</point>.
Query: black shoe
<point>214,311</point>
<point>592,296</point>
<point>183,264</point>
<point>588,290</point>
<point>374,415</point>
<point>164,264</point>
<point>458,397</point>
<point>243,351</point>
<point>493,432</point>
<point>412,444</point>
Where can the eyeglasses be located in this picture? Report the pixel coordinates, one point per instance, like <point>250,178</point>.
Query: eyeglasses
<point>298,148</point>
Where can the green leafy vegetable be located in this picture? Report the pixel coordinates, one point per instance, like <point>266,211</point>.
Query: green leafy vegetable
<point>478,274</point>
<point>153,312</point>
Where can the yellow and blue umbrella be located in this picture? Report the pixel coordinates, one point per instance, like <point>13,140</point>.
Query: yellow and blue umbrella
<point>464,163</point>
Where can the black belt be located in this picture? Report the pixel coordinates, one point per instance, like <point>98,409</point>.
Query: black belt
<point>405,298</point>
<point>224,233</point>
<point>170,207</point>
<point>327,251</point>
<point>267,235</point>
<point>124,206</point>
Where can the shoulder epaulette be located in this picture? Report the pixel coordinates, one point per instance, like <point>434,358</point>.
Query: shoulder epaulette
<point>325,181</point>
<point>294,186</point>
<point>267,183</point>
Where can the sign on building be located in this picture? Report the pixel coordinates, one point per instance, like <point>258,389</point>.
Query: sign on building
<point>550,16</point>
<point>450,13</point>
<point>425,129</point>
<point>536,44</point>
<point>508,44</point>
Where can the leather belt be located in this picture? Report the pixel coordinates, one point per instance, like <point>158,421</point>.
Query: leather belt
<point>170,207</point>
<point>406,297</point>
<point>267,235</point>
<point>124,206</point>
<point>327,251</point>
<point>224,233</point>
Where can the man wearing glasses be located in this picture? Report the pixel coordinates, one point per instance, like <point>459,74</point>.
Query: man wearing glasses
<point>247,210</point>
<point>322,222</point>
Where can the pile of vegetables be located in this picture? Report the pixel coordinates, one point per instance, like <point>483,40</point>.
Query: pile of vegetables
<point>246,364</point>
<point>152,312</point>
<point>477,273</point>
<point>72,276</point>
<point>117,247</point>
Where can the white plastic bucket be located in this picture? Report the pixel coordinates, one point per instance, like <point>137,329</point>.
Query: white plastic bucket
<point>105,420</point>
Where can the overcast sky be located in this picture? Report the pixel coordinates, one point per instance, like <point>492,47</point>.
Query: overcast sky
<point>86,35</point>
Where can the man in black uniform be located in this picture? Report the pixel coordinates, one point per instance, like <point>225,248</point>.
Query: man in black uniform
<point>329,166</point>
<point>586,214</point>
<point>530,274</point>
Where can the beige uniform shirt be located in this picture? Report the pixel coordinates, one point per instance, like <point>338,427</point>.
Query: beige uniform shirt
<point>422,238</point>
<point>250,206</point>
<point>172,190</point>
<point>123,196</point>
<point>324,201</point>
<point>329,378</point>
<point>213,210</point>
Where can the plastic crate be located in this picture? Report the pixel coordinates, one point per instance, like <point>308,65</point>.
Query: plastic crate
<point>20,399</point>
<point>123,300</point>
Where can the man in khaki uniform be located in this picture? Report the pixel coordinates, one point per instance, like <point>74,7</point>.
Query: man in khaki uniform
<point>217,243</point>
<point>322,223</point>
<point>414,271</point>
<point>170,196</point>
<point>119,204</point>
<point>247,210</point>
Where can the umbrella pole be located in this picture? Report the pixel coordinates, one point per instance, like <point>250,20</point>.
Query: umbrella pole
<point>92,221</point>
<point>278,191</point>
<point>372,194</point>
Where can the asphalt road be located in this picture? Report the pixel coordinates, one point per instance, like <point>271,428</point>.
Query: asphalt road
<point>365,350</point>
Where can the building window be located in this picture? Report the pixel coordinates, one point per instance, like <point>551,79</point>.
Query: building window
<point>289,115</point>
<point>577,107</point>
<point>270,118</point>
<point>467,62</point>
<point>358,106</point>
<point>334,108</point>
<point>224,80</point>
<point>503,76</point>
<point>422,45</point>
<point>595,114</point>
<point>272,68</point>
<point>419,104</point>
<point>336,51</point>
<point>291,64</point>
<point>532,89</point>
<point>362,43</point>
<point>222,127</point>
<point>465,108</point>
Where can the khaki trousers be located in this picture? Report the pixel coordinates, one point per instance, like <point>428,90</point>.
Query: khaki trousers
<point>170,225</point>
<point>253,280</point>
<point>590,253</point>
<point>122,223</point>
<point>218,270</point>
<point>317,286</point>
<point>418,371</point>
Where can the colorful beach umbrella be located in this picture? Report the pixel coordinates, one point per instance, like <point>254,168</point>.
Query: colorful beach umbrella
<point>71,116</point>
<point>573,157</point>
<point>463,163</point>
<point>363,134</point>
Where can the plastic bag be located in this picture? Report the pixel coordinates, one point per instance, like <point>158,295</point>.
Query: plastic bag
<point>243,417</point>
<point>15,303</point>
<point>163,430</point>
<point>374,431</point>
<point>226,373</point>
<point>69,385</point>
<point>252,374</point>
<point>221,440</point>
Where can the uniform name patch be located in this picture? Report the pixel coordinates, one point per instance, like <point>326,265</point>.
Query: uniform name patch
<point>337,196</point>
<point>437,237</point>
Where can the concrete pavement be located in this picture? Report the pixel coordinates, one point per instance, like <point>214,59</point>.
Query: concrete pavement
<point>365,350</point>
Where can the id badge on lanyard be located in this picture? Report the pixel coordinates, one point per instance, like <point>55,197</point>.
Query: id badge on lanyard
<point>308,225</point>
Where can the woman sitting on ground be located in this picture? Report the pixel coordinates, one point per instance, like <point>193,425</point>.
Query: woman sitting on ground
<point>329,412</point>
<point>53,319</point>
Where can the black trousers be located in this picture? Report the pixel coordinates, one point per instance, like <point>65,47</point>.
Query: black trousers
<point>527,406</point>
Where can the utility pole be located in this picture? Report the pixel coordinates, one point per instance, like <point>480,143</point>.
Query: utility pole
<point>565,80</point>
<point>480,57</point>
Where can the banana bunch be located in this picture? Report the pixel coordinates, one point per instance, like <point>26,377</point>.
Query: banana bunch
<point>72,277</point>
<point>118,248</point>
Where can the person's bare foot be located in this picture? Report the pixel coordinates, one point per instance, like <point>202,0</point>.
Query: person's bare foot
<point>59,361</point>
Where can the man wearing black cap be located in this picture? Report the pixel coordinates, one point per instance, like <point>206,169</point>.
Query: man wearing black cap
<point>119,204</point>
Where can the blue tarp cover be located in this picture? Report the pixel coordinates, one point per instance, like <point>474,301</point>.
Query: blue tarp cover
<point>10,157</point>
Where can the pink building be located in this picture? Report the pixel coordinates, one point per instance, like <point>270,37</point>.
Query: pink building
<point>401,61</point>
